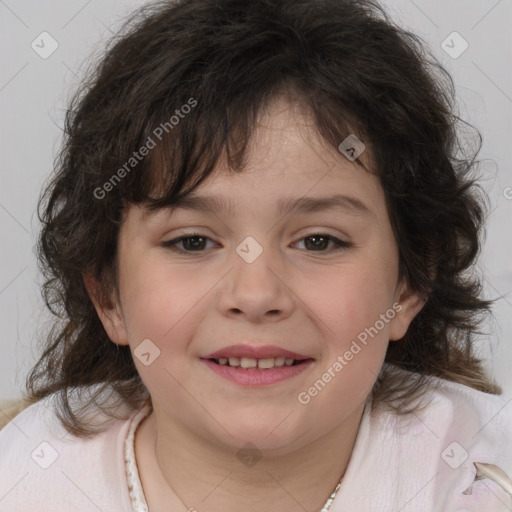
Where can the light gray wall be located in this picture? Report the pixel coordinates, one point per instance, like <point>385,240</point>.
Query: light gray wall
<point>34,92</point>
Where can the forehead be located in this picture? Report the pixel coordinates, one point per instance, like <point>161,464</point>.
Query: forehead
<point>288,168</point>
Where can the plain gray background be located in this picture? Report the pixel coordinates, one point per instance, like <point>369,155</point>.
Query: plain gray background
<point>34,92</point>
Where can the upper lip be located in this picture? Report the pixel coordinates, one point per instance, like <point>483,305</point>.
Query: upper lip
<point>255,352</point>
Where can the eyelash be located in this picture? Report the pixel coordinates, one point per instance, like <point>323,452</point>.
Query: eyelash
<point>339,244</point>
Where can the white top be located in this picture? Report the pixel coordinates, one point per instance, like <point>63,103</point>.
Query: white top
<point>132,473</point>
<point>422,462</point>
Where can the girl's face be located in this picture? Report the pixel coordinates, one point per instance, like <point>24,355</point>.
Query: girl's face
<point>259,275</point>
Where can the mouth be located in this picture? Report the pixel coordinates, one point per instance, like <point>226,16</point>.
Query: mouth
<point>249,355</point>
<point>256,366</point>
<point>249,363</point>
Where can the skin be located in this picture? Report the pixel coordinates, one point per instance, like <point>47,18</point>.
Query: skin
<point>308,300</point>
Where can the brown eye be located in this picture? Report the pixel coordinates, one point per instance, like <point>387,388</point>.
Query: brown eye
<point>319,242</point>
<point>189,243</point>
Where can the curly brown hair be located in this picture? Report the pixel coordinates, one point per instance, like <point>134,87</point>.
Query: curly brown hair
<point>356,71</point>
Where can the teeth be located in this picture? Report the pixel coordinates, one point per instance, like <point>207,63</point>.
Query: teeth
<point>249,362</point>
<point>266,363</point>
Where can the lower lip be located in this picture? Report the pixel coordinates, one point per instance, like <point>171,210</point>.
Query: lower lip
<point>255,376</point>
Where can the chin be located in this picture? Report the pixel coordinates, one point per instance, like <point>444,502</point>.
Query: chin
<point>273,436</point>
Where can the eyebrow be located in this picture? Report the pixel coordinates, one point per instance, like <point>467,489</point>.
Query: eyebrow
<point>213,204</point>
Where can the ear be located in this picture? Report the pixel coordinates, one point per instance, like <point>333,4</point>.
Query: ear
<point>108,308</point>
<point>411,304</point>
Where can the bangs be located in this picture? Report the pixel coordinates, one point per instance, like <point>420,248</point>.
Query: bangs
<point>183,149</point>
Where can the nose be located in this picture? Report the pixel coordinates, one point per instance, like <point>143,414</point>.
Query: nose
<point>257,291</point>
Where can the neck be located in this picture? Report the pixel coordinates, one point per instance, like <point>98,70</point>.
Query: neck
<point>192,473</point>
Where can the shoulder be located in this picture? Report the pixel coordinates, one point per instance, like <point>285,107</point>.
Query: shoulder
<point>458,407</point>
<point>425,460</point>
<point>44,467</point>
<point>481,421</point>
<point>450,408</point>
<point>458,427</point>
<point>474,432</point>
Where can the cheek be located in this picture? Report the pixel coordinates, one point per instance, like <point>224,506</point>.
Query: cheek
<point>161,306</point>
<point>352,299</point>
<point>155,297</point>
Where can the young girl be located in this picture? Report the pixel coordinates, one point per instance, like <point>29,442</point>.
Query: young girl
<point>259,245</point>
